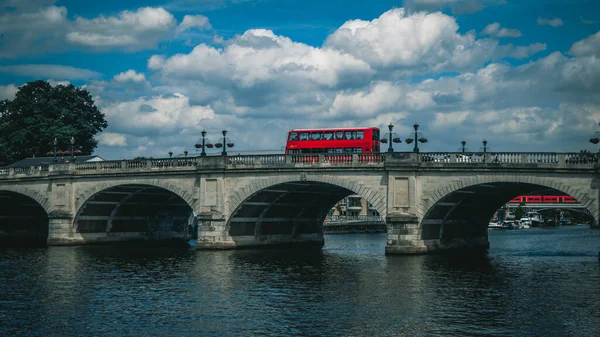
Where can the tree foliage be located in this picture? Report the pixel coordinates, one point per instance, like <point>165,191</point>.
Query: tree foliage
<point>39,113</point>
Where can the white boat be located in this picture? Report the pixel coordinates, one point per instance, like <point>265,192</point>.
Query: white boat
<point>525,223</point>
<point>495,225</point>
<point>535,218</point>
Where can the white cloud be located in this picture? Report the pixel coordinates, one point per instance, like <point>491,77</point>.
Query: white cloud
<point>157,115</point>
<point>54,71</point>
<point>8,91</point>
<point>34,27</point>
<point>522,52</point>
<point>550,22</point>
<point>55,82</point>
<point>193,21</point>
<point>449,119</point>
<point>587,47</point>
<point>493,29</point>
<point>412,43</point>
<point>30,28</point>
<point>130,30</point>
<point>112,139</point>
<point>130,75</point>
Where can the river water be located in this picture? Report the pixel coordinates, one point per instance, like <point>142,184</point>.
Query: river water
<point>536,282</point>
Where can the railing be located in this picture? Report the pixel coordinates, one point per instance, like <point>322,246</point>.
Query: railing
<point>429,159</point>
<point>510,158</point>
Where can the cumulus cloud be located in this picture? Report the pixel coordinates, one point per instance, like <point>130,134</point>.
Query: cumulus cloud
<point>456,6</point>
<point>158,115</point>
<point>494,29</point>
<point>587,47</point>
<point>397,68</point>
<point>421,42</point>
<point>33,27</point>
<point>112,139</point>
<point>130,30</point>
<point>194,21</point>
<point>26,26</point>
<point>522,52</point>
<point>130,75</point>
<point>550,22</point>
<point>8,91</point>
<point>55,71</point>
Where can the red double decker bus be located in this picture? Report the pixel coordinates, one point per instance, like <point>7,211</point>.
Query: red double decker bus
<point>333,141</point>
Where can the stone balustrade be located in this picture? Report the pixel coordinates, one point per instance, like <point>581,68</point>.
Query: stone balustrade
<point>424,159</point>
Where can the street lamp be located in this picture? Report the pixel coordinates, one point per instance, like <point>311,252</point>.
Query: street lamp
<point>225,143</point>
<point>484,146</point>
<point>203,145</point>
<point>72,148</point>
<point>392,139</point>
<point>390,127</point>
<point>185,153</point>
<point>594,139</point>
<point>463,145</point>
<point>55,142</point>
<point>419,138</point>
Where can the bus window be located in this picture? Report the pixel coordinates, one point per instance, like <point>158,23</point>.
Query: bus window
<point>348,135</point>
<point>348,150</point>
<point>328,135</point>
<point>304,151</point>
<point>316,136</point>
<point>360,135</point>
<point>317,150</point>
<point>303,135</point>
<point>376,135</point>
<point>293,135</point>
<point>329,150</point>
<point>358,150</point>
<point>339,135</point>
<point>293,151</point>
<point>338,150</point>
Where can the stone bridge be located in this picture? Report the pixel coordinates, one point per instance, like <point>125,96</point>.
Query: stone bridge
<point>431,201</point>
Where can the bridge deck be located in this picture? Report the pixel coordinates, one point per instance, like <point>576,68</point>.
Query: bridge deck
<point>433,160</point>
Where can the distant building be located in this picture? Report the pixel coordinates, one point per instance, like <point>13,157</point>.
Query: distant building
<point>37,161</point>
<point>353,205</point>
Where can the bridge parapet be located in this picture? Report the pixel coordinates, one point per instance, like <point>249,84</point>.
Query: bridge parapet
<point>493,160</point>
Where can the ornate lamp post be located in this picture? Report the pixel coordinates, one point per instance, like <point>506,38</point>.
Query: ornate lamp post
<point>185,153</point>
<point>225,143</point>
<point>203,145</point>
<point>72,147</point>
<point>55,142</point>
<point>390,127</point>
<point>484,146</point>
<point>170,154</point>
<point>392,139</point>
<point>419,138</point>
<point>463,143</point>
<point>594,139</point>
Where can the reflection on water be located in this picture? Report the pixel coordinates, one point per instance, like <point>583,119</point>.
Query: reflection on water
<point>531,283</point>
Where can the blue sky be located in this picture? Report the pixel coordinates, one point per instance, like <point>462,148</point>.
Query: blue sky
<point>525,74</point>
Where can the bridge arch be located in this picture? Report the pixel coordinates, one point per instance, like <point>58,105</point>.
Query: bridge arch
<point>292,205</point>
<point>461,209</point>
<point>39,198</point>
<point>375,197</point>
<point>24,217</point>
<point>120,210</point>
<point>95,188</point>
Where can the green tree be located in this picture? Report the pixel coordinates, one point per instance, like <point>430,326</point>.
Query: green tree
<point>519,212</point>
<point>39,113</point>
